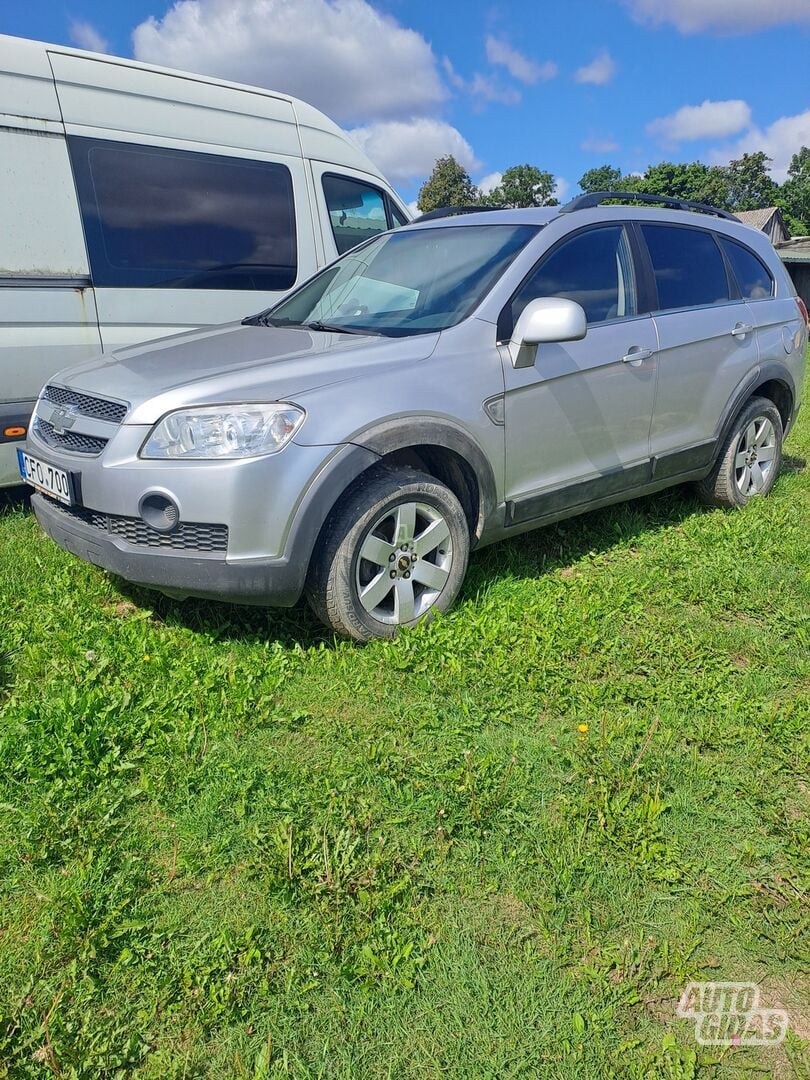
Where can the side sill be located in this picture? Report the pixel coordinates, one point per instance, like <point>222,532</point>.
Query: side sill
<point>695,457</point>
<point>553,503</point>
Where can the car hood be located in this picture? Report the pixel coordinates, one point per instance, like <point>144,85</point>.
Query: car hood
<point>236,363</point>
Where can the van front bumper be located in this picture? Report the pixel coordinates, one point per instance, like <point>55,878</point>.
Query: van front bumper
<point>266,582</point>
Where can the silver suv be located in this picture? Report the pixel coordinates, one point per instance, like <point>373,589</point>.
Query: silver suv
<point>452,383</point>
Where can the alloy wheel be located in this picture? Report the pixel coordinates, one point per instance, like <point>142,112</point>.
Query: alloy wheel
<point>754,457</point>
<point>403,563</point>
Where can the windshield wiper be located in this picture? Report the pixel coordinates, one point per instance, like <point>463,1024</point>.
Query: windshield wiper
<point>316,324</point>
<point>332,328</point>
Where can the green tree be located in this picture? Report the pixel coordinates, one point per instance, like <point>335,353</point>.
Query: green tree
<point>525,185</point>
<point>750,186</point>
<point>794,195</point>
<point>448,185</point>
<point>687,180</point>
<point>602,178</point>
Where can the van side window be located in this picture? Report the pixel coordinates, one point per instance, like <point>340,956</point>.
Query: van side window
<point>688,267</point>
<point>753,279</point>
<point>356,210</point>
<point>176,219</point>
<point>594,268</point>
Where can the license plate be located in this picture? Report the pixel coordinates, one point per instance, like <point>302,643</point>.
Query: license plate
<point>44,477</point>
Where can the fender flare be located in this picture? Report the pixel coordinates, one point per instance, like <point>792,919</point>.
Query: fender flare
<point>403,432</point>
<point>771,371</point>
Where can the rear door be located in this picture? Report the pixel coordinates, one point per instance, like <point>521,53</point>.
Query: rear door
<point>774,317</point>
<point>578,421</point>
<point>706,342</point>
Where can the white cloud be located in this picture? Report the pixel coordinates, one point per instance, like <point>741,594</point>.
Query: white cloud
<point>600,70</point>
<point>414,209</point>
<point>407,149</point>
<point>85,35</point>
<point>518,65</point>
<point>453,77</point>
<point>489,182</point>
<point>488,90</point>
<point>343,56</point>
<point>724,16</point>
<point>481,87</point>
<point>780,141</point>
<point>711,120</point>
<point>599,146</point>
<point>562,187</point>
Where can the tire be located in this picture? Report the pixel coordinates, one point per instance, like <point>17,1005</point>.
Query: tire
<point>749,460</point>
<point>365,583</point>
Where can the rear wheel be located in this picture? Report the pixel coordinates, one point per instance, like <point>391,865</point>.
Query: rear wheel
<point>750,458</point>
<point>393,554</point>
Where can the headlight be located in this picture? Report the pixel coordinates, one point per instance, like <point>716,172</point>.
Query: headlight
<point>227,431</point>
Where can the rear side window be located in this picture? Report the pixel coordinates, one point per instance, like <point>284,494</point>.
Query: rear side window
<point>752,277</point>
<point>689,269</point>
<point>176,219</point>
<point>357,211</point>
<point>595,268</point>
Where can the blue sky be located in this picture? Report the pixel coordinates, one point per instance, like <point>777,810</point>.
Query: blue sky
<point>565,86</point>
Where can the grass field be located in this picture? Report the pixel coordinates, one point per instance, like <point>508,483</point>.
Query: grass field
<point>231,846</point>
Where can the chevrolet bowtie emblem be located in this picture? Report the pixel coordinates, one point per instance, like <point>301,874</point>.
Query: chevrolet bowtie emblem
<point>63,417</point>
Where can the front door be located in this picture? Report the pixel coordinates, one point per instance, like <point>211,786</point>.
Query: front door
<point>578,421</point>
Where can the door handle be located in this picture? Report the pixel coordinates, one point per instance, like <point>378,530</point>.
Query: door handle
<point>741,329</point>
<point>636,354</point>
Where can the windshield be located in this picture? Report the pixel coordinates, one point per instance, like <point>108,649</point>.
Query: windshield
<point>405,282</point>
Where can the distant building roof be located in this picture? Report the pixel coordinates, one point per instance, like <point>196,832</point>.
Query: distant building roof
<point>757,219</point>
<point>768,220</point>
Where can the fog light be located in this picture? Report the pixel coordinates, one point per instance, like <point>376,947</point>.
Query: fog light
<point>159,511</point>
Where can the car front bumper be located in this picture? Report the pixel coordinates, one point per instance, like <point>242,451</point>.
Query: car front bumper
<point>267,582</point>
<point>268,513</point>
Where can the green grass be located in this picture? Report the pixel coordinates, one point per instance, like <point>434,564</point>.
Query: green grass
<point>231,846</point>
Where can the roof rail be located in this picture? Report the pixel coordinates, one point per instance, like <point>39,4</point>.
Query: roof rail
<point>596,198</point>
<point>451,211</point>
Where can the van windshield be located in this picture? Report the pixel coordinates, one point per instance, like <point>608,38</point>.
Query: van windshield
<point>405,282</point>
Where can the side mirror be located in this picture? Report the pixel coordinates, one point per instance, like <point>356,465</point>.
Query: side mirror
<point>549,319</point>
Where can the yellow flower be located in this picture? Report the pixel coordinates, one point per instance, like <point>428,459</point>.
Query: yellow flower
<point>146,658</point>
<point>583,728</point>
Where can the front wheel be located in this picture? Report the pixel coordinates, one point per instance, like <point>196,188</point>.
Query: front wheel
<point>750,458</point>
<point>394,553</point>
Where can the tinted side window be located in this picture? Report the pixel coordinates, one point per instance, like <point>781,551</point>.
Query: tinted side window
<point>689,269</point>
<point>397,218</point>
<point>754,280</point>
<point>595,268</point>
<point>175,219</point>
<point>356,211</point>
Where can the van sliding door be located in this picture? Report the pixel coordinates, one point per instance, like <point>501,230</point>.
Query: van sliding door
<point>186,222</point>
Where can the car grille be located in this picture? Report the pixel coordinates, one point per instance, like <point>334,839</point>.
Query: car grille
<point>99,408</point>
<point>68,440</point>
<point>188,536</point>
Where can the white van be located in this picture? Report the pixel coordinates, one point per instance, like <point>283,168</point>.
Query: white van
<point>137,202</point>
